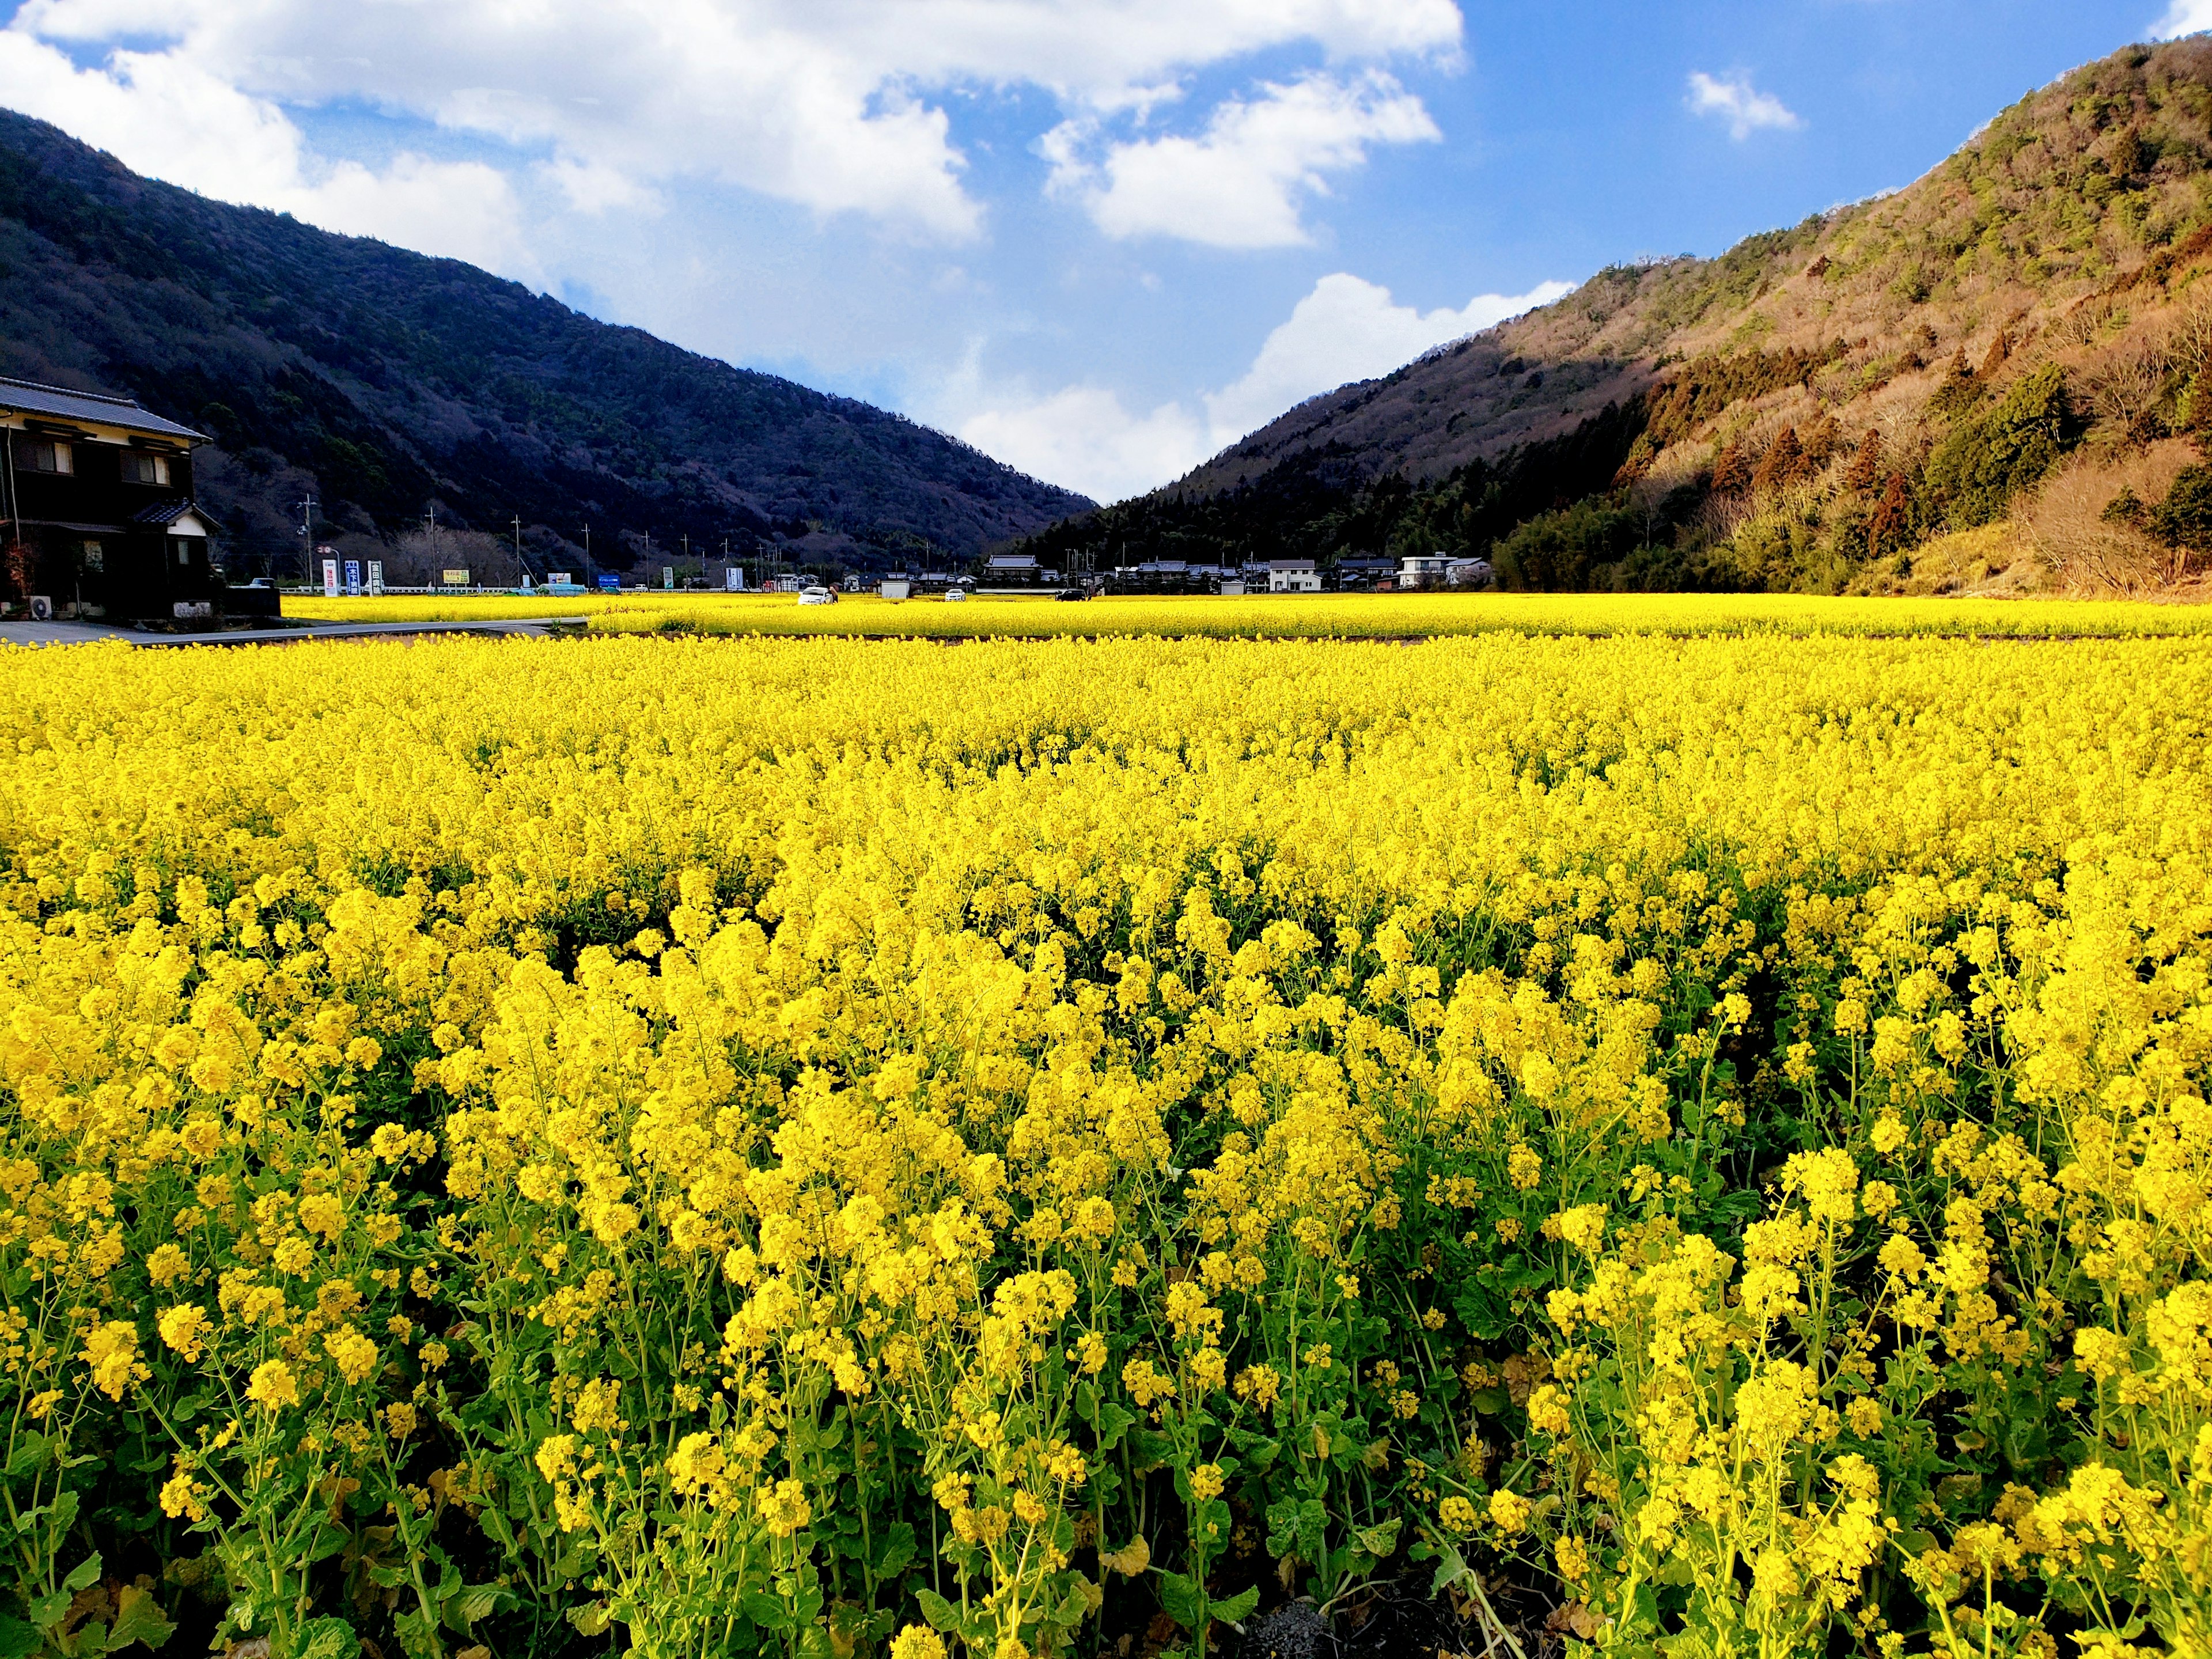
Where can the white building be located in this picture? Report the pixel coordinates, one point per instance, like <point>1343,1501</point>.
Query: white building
<point>1422,570</point>
<point>1292,576</point>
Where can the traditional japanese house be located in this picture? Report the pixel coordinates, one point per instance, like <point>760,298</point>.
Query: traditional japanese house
<point>98,496</point>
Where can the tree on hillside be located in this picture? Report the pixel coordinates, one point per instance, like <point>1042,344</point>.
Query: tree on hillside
<point>1866,464</point>
<point>1892,524</point>
<point>1784,461</point>
<point>1732,470</point>
<point>1987,459</point>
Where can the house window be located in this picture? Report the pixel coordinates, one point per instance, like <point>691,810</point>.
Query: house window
<point>95,556</point>
<point>180,549</point>
<point>44,455</point>
<point>140,468</point>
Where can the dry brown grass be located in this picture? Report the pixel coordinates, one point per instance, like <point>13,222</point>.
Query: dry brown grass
<point>2065,524</point>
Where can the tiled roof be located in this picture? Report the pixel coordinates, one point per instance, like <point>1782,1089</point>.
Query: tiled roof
<point>165,513</point>
<point>30,398</point>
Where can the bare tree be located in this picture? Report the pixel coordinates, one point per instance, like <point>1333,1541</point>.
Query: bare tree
<point>2125,383</point>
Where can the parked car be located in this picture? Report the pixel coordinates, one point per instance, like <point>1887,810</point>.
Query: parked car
<point>817,596</point>
<point>955,595</point>
<point>1072,593</point>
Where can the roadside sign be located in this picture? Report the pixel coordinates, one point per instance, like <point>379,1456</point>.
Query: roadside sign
<point>456,578</point>
<point>353,578</point>
<point>329,579</point>
<point>610,584</point>
<point>376,575</point>
<point>667,578</point>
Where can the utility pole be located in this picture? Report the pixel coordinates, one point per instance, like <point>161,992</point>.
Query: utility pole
<point>306,506</point>
<point>518,548</point>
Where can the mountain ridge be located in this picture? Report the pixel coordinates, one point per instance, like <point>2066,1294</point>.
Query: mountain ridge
<point>2069,233</point>
<point>387,382</point>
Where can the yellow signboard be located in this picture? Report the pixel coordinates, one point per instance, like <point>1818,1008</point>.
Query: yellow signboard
<point>457,578</point>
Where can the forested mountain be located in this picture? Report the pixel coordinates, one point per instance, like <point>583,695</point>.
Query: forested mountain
<point>384,382</point>
<point>1993,378</point>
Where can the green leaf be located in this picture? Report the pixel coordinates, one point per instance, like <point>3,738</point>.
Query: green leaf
<point>138,1618</point>
<point>941,1614</point>
<point>475,1601</point>
<point>1183,1600</point>
<point>30,1452</point>
<point>1380,1539</point>
<point>84,1575</point>
<point>593,1617</point>
<point>1489,1401</point>
<point>418,1635</point>
<point>331,1638</point>
<point>1113,1421</point>
<point>17,1639</point>
<point>1238,1606</point>
<point>47,1611</point>
<point>1452,1567</point>
<point>897,1549</point>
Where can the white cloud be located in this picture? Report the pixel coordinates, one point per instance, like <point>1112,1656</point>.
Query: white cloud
<point>167,116</point>
<point>1083,439</point>
<point>823,103</point>
<point>1239,184</point>
<point>1732,99</point>
<point>2183,17</point>
<point>1348,329</point>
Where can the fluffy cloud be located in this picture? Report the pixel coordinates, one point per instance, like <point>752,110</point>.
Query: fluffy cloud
<point>1082,438</point>
<point>1345,330</point>
<point>1733,100</point>
<point>168,117</point>
<point>1348,329</point>
<point>823,103</point>
<point>1239,183</point>
<point>2183,17</point>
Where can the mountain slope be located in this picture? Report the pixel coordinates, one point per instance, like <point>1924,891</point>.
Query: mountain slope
<point>1810,407</point>
<point>384,382</point>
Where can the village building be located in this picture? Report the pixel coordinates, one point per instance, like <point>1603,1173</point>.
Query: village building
<point>1292,576</point>
<point>97,491</point>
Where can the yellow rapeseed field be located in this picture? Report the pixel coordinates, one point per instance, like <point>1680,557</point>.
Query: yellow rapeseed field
<point>814,1147</point>
<point>1285,616</point>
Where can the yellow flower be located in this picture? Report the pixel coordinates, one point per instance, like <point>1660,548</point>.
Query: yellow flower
<point>1508,1511</point>
<point>272,1386</point>
<point>1206,1482</point>
<point>112,1350</point>
<point>184,1329</point>
<point>784,1506</point>
<point>917,1642</point>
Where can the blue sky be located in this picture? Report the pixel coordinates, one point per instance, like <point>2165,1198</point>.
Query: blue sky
<point>1098,237</point>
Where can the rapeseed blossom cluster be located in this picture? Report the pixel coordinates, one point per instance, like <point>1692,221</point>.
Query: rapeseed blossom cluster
<point>815,1147</point>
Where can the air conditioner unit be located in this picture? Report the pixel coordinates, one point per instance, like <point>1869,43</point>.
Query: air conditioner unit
<point>42,608</point>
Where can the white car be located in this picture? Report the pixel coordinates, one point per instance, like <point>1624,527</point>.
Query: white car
<point>956,595</point>
<point>817,596</point>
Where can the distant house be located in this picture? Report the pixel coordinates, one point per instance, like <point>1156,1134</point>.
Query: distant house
<point>1422,570</point>
<point>1469,573</point>
<point>98,493</point>
<point>1018,566</point>
<point>1292,576</point>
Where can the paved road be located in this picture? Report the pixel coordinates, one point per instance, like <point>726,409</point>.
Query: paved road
<point>73,633</point>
